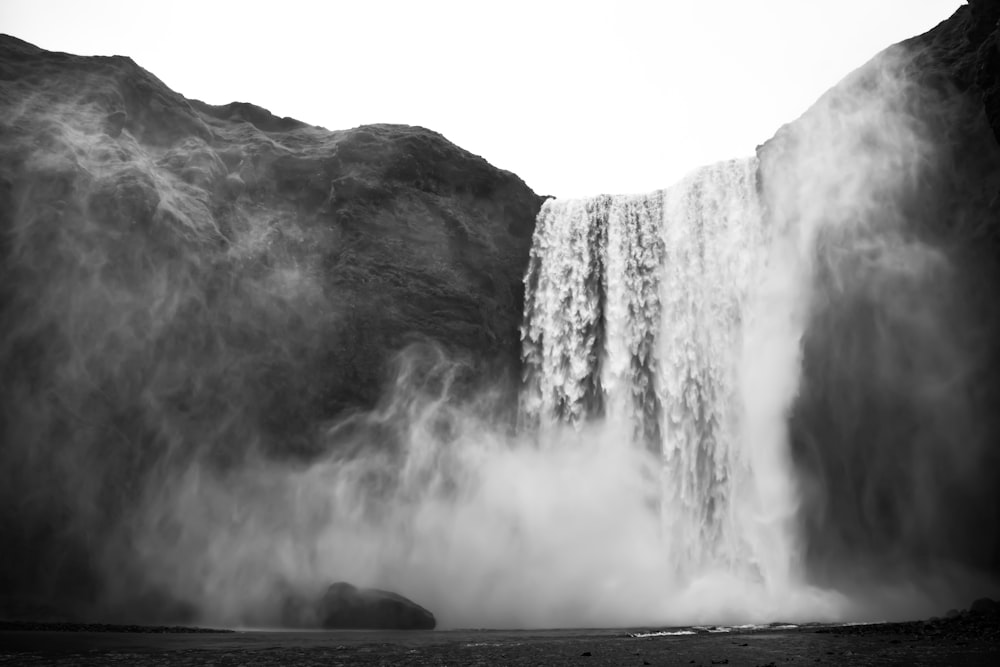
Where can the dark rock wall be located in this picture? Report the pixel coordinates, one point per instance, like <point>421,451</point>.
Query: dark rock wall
<point>965,50</point>
<point>180,280</point>
<point>895,429</point>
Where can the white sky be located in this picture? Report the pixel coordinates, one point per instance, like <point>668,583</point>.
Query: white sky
<point>577,98</point>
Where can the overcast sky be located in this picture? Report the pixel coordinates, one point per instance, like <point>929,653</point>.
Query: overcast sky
<point>577,98</point>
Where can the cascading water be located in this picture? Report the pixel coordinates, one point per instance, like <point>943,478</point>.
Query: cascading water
<point>636,311</point>
<point>797,339</point>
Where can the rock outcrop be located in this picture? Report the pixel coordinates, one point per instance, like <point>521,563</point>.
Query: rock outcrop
<point>346,606</point>
<point>179,279</point>
<point>985,606</point>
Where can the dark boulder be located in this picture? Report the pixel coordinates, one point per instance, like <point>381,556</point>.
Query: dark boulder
<point>985,606</point>
<point>346,606</point>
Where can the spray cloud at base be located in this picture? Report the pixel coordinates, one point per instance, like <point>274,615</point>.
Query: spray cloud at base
<point>749,397</point>
<point>489,529</point>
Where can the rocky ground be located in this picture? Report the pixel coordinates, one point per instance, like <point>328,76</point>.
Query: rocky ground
<point>964,640</point>
<point>969,637</point>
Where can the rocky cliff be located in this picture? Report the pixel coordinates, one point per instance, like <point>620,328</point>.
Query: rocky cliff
<point>179,279</point>
<point>892,179</point>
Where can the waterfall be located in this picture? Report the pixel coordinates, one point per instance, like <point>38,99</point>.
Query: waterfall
<point>637,311</point>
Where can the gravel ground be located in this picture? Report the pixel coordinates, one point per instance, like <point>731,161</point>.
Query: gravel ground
<point>964,640</point>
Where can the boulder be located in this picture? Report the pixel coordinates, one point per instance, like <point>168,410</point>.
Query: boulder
<point>346,606</point>
<point>985,606</point>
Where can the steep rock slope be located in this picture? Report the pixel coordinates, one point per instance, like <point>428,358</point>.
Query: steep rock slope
<point>891,183</point>
<point>179,279</point>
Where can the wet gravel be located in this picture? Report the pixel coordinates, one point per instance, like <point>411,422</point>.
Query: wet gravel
<point>964,640</point>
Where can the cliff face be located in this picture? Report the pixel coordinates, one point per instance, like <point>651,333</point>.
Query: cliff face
<point>965,50</point>
<point>179,279</point>
<point>891,182</point>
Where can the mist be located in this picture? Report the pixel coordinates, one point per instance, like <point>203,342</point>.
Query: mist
<point>433,499</point>
<point>760,395</point>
